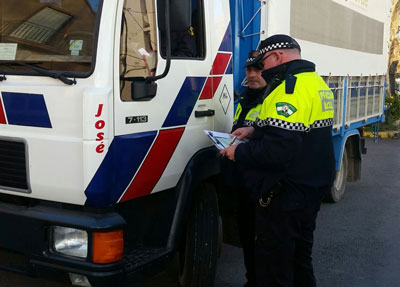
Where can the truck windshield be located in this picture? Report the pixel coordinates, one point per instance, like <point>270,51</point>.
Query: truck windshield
<point>56,35</point>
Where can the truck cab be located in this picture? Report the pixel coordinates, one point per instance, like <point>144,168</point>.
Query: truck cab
<point>104,162</point>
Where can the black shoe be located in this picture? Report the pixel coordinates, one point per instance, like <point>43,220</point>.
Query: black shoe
<point>248,285</point>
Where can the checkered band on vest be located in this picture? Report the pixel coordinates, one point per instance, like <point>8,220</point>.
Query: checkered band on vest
<point>282,45</point>
<point>248,123</point>
<point>322,124</point>
<point>293,126</point>
<point>281,124</point>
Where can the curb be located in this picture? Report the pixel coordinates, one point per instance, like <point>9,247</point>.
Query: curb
<point>383,135</point>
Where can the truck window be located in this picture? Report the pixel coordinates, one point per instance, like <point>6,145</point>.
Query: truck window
<point>138,42</point>
<point>187,42</point>
<point>51,34</point>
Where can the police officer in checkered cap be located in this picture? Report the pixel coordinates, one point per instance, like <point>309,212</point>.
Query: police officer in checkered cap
<point>288,163</point>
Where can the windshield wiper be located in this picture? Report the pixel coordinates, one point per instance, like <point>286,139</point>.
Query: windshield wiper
<point>42,71</point>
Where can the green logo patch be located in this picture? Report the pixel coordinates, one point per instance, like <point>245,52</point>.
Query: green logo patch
<point>285,109</point>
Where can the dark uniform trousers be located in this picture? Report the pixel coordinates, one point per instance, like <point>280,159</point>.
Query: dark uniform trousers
<point>283,245</point>
<point>246,227</point>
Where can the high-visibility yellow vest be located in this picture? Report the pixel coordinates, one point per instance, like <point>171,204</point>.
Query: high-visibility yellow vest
<point>250,117</point>
<point>310,105</point>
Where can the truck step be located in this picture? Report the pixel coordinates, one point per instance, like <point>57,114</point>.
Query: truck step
<point>140,255</point>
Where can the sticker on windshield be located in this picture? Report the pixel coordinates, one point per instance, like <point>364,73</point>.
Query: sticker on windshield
<point>8,51</point>
<point>75,46</point>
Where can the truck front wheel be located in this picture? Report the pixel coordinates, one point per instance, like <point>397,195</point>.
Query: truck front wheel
<point>339,186</point>
<point>199,251</point>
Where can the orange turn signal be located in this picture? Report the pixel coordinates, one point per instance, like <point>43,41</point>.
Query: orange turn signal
<point>108,246</point>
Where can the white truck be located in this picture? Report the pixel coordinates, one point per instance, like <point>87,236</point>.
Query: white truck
<point>106,174</point>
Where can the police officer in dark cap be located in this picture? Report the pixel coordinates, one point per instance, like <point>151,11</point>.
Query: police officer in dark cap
<point>288,163</point>
<point>245,115</point>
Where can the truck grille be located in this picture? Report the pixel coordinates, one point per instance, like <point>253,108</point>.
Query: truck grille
<point>13,166</point>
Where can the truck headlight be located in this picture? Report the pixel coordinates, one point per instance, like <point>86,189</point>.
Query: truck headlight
<point>69,241</point>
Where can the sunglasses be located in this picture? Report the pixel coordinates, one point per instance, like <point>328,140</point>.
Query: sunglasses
<point>262,61</point>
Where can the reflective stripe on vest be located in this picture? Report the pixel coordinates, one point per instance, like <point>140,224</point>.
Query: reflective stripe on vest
<point>251,116</point>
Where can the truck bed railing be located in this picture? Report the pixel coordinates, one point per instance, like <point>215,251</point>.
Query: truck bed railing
<point>356,99</point>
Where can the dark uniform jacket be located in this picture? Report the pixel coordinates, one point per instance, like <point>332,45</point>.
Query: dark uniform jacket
<point>292,141</point>
<point>249,99</point>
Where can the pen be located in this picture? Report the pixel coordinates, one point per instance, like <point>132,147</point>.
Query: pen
<point>233,140</point>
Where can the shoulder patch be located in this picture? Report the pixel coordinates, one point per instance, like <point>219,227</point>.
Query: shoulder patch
<point>327,99</point>
<point>285,109</point>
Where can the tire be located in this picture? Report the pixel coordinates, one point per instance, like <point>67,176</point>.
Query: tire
<point>198,255</point>
<point>339,185</point>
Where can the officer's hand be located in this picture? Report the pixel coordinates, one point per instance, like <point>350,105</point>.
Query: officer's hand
<point>229,152</point>
<point>245,132</point>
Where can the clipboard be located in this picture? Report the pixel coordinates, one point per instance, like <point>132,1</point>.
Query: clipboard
<point>222,140</point>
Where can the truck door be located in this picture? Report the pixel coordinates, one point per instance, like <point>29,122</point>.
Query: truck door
<point>222,69</point>
<point>160,133</point>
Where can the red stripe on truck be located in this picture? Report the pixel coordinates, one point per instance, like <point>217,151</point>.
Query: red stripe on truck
<point>154,165</point>
<point>210,87</point>
<point>2,115</point>
<point>220,64</point>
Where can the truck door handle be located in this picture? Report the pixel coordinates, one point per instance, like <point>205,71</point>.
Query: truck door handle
<point>208,113</point>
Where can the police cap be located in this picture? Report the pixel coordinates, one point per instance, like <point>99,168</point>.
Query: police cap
<point>279,41</point>
<point>253,60</point>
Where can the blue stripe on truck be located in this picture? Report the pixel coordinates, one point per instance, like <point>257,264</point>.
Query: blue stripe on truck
<point>26,110</point>
<point>184,103</point>
<point>121,163</point>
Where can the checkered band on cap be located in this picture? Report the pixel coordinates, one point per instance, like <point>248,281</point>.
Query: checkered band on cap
<point>253,58</point>
<point>282,45</point>
<point>279,41</point>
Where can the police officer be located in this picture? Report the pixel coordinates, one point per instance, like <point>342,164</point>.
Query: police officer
<point>288,163</point>
<point>245,115</point>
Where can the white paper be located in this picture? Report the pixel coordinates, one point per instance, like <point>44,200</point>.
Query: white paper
<point>143,52</point>
<point>8,51</point>
<point>222,140</point>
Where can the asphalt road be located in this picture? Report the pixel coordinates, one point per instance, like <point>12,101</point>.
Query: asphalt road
<point>356,241</point>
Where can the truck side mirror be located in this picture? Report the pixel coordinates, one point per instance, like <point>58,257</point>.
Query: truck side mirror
<point>142,90</point>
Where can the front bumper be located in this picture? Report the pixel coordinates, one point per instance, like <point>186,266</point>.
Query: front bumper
<point>25,231</point>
